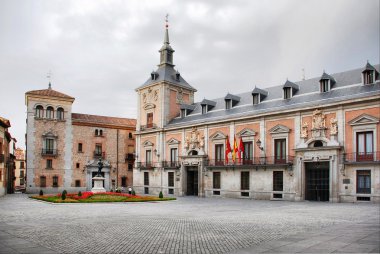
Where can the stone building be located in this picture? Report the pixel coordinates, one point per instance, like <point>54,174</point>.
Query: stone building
<point>19,178</point>
<point>314,139</point>
<point>63,148</point>
<point>5,139</point>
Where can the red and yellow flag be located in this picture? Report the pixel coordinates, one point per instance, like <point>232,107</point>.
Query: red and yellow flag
<point>228,148</point>
<point>234,150</point>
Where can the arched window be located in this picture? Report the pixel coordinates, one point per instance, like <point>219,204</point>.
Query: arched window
<point>49,112</point>
<point>96,132</point>
<point>130,135</point>
<point>318,143</point>
<point>100,132</point>
<point>39,111</point>
<point>60,114</point>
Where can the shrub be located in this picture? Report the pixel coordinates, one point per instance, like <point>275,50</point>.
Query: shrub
<point>41,193</point>
<point>118,191</point>
<point>79,194</point>
<point>133,193</point>
<point>161,195</point>
<point>63,196</point>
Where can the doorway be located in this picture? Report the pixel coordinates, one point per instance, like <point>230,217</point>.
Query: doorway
<point>317,181</point>
<point>192,183</point>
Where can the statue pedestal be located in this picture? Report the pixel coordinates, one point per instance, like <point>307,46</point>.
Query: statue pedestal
<point>98,184</point>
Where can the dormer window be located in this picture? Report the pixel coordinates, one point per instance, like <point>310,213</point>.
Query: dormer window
<point>368,77</point>
<point>370,74</point>
<point>204,109</point>
<point>228,104</point>
<point>290,89</point>
<point>324,85</point>
<point>256,99</point>
<point>183,113</point>
<point>186,109</point>
<point>287,93</point>
<point>154,75</point>
<point>177,76</point>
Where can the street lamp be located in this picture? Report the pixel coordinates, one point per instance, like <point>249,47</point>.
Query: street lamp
<point>262,157</point>
<point>258,143</point>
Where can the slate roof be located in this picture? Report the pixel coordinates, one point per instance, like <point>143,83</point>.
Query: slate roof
<point>327,76</point>
<point>348,86</point>
<point>50,93</point>
<point>291,85</point>
<point>208,102</point>
<point>259,91</point>
<point>232,97</point>
<point>107,120</point>
<point>168,73</point>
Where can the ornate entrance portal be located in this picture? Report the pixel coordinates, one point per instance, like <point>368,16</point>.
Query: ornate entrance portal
<point>192,181</point>
<point>317,181</point>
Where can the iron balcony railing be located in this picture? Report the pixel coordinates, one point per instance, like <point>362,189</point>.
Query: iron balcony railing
<point>98,155</point>
<point>171,164</point>
<point>49,152</point>
<point>129,157</point>
<point>256,161</point>
<point>148,126</point>
<point>361,157</point>
<point>2,158</point>
<point>145,165</point>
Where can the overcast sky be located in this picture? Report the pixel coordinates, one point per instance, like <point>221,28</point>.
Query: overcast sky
<point>100,51</point>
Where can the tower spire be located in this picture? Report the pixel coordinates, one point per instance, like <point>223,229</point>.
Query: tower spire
<point>166,51</point>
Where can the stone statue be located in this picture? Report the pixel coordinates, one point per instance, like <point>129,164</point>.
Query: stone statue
<point>319,121</point>
<point>202,142</point>
<point>304,130</point>
<point>333,126</point>
<point>100,166</point>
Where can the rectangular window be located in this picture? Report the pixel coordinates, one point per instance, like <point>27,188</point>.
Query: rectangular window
<point>77,183</point>
<point>22,181</point>
<point>368,77</point>
<point>146,190</point>
<point>173,156</point>
<point>256,99</point>
<point>148,157</point>
<point>363,184</point>
<point>22,174</point>
<point>280,151</point>
<point>216,180</point>
<point>98,149</point>
<point>248,153</point>
<point>219,154</point>
<point>204,109</point>
<point>171,179</point>
<point>22,164</point>
<point>49,163</point>
<point>149,120</point>
<point>130,167</point>
<point>244,183</point>
<point>364,146</point>
<point>228,104</point>
<point>80,148</point>
<point>43,181</point>
<point>278,181</point>
<point>324,85</point>
<point>146,178</point>
<point>78,165</point>
<point>124,181</point>
<point>55,181</point>
<point>49,146</point>
<point>287,93</point>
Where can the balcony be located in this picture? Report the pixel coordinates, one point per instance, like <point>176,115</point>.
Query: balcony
<point>2,158</point>
<point>361,158</point>
<point>171,164</point>
<point>129,157</point>
<point>145,165</point>
<point>98,155</point>
<point>148,126</point>
<point>49,152</point>
<point>253,162</point>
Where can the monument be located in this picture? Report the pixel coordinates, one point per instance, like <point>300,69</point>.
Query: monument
<point>98,179</point>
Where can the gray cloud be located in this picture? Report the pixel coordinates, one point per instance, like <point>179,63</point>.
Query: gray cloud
<point>100,51</point>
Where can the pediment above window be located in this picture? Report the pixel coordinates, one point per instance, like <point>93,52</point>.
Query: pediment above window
<point>279,129</point>
<point>364,119</point>
<point>49,134</point>
<point>246,132</point>
<point>173,141</point>
<point>218,135</point>
<point>148,143</point>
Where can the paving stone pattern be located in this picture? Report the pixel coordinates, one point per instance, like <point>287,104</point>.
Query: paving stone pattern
<point>188,225</point>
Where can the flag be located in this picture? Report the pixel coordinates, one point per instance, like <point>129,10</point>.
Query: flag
<point>235,150</point>
<point>228,148</point>
<point>241,149</point>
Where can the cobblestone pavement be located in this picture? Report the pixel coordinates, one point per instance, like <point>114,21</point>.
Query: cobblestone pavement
<point>188,225</point>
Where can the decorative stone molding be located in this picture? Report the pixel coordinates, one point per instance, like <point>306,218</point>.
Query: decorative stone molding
<point>304,130</point>
<point>179,97</point>
<point>217,136</point>
<point>318,124</point>
<point>333,127</point>
<point>364,119</point>
<point>279,128</point>
<point>149,97</point>
<point>246,132</point>
<point>148,143</point>
<point>173,141</point>
<point>195,141</point>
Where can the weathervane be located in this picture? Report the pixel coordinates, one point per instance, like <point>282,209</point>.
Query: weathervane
<point>48,76</point>
<point>167,20</point>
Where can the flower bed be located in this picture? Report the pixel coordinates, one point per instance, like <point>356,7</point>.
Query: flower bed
<point>90,197</point>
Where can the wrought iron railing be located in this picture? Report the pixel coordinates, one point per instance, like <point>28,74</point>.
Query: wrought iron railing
<point>145,165</point>
<point>171,164</point>
<point>129,157</point>
<point>361,157</point>
<point>98,155</point>
<point>256,161</point>
<point>49,152</point>
<point>148,126</point>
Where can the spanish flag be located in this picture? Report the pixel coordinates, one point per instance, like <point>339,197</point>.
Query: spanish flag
<point>234,150</point>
